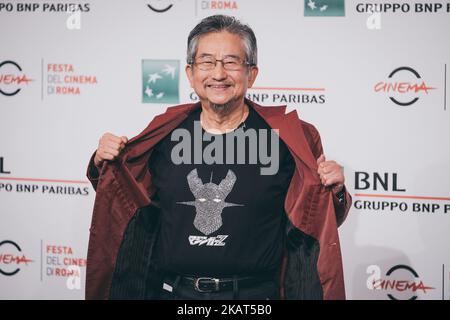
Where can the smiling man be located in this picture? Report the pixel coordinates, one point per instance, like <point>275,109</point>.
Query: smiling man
<point>189,210</point>
<point>221,89</point>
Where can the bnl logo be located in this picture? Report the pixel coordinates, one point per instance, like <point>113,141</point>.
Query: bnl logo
<point>324,8</point>
<point>160,81</point>
<point>2,168</point>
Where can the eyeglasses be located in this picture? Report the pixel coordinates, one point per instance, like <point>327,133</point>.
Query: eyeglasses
<point>228,63</point>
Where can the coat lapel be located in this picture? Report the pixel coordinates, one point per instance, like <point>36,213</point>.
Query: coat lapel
<point>290,131</point>
<point>133,161</point>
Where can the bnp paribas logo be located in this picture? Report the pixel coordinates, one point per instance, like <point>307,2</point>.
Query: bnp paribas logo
<point>160,81</point>
<point>324,8</point>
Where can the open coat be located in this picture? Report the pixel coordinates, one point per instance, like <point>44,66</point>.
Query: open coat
<point>125,221</point>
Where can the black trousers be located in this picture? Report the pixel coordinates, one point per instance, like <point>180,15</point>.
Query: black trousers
<point>174,289</point>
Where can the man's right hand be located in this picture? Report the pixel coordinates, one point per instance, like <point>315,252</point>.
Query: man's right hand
<point>109,147</point>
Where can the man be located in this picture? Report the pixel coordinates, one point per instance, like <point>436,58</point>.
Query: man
<point>235,212</point>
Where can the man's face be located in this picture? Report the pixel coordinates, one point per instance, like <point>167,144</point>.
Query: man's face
<point>219,86</point>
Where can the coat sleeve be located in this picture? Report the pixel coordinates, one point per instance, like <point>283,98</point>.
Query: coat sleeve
<point>341,208</point>
<point>93,173</point>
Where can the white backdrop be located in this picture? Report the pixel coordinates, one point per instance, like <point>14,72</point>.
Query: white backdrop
<point>329,68</point>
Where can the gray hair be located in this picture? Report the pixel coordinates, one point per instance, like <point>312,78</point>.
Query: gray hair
<point>219,23</point>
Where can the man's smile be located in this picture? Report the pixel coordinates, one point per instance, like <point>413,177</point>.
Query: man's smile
<point>219,86</point>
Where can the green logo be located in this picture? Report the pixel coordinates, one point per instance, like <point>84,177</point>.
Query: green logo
<point>160,81</point>
<point>324,8</point>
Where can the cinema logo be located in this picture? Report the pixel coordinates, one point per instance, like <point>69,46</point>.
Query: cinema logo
<point>400,283</point>
<point>393,198</point>
<point>11,258</point>
<point>64,80</point>
<point>160,6</point>
<point>12,78</point>
<point>404,86</point>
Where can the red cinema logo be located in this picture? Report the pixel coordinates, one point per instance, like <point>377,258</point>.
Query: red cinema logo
<point>404,86</point>
<point>10,262</point>
<point>12,79</point>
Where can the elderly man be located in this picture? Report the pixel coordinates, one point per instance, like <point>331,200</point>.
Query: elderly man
<point>222,199</point>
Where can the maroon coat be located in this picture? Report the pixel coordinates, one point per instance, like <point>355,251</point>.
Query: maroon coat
<point>125,222</point>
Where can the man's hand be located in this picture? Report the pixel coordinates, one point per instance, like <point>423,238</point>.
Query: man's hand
<point>109,148</point>
<point>331,174</point>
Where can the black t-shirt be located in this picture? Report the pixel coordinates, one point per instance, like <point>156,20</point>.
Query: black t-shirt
<point>224,218</point>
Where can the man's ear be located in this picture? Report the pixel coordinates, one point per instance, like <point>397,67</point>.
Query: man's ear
<point>253,73</point>
<point>189,73</point>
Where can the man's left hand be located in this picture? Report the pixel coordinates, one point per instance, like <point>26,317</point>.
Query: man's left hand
<point>331,174</point>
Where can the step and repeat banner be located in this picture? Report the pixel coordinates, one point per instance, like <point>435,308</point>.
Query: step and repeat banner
<point>370,75</point>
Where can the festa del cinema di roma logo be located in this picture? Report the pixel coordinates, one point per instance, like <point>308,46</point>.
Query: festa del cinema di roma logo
<point>160,81</point>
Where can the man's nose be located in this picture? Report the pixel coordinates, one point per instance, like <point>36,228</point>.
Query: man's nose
<point>219,72</point>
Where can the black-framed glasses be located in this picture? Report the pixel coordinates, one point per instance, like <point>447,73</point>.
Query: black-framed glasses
<point>208,63</point>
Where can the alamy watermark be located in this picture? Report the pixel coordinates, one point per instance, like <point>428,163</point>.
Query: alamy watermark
<point>190,149</point>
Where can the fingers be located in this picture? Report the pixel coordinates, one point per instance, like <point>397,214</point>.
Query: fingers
<point>330,173</point>
<point>113,145</point>
<point>114,151</point>
<point>109,147</point>
<point>326,167</point>
<point>320,159</point>
<point>331,179</point>
<point>110,137</point>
